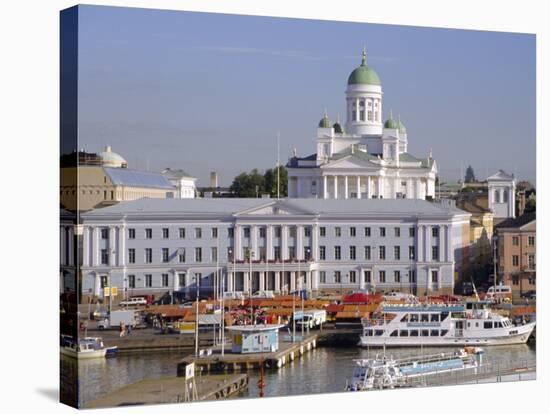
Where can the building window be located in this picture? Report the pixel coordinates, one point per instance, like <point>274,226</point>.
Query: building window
<point>131,281</point>
<point>515,241</point>
<point>322,253</point>
<point>411,232</point>
<point>277,253</point>
<point>435,231</point>
<point>435,253</point>
<point>367,231</point>
<point>104,257</point>
<point>515,260</point>
<point>531,240</point>
<point>148,233</point>
<point>214,254</point>
<point>198,254</point>
<point>104,234</point>
<point>382,276</point>
<point>278,231</point>
<point>352,276</point>
<point>497,196</point>
<point>435,276</point>
<point>198,233</point>
<point>230,232</point>
<point>397,276</point>
<point>412,253</point>
<point>181,279</point>
<point>352,253</point>
<point>165,233</point>
<point>337,253</point>
<point>368,276</point>
<point>214,232</point>
<point>382,252</point>
<point>337,277</point>
<point>307,231</point>
<point>531,261</point>
<point>103,281</point>
<point>165,280</point>
<point>352,232</point>
<point>396,252</point>
<point>412,276</point>
<point>246,232</point>
<point>338,231</point>
<point>230,255</point>
<point>263,232</point>
<point>292,231</point>
<point>148,255</point>
<point>515,280</point>
<point>131,233</point>
<point>181,255</point>
<point>307,252</point>
<point>291,252</point>
<point>382,232</point>
<point>397,232</point>
<point>322,231</point>
<point>131,255</point>
<point>262,253</point>
<point>148,280</point>
<point>323,276</point>
<point>181,232</point>
<point>165,255</point>
<point>367,253</point>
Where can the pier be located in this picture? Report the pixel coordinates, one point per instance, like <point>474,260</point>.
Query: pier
<point>233,362</point>
<point>172,390</point>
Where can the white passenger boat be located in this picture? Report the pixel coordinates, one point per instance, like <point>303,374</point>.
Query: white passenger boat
<point>85,348</point>
<point>382,372</point>
<point>471,323</point>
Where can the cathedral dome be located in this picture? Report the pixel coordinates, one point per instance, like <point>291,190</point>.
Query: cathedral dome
<point>325,122</point>
<point>400,126</point>
<point>391,123</point>
<point>363,75</point>
<point>112,159</point>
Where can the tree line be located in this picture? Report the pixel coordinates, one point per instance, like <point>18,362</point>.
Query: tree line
<point>253,184</point>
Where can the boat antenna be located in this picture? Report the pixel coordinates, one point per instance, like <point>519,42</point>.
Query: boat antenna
<point>474,287</point>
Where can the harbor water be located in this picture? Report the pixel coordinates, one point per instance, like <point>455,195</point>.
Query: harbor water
<point>323,370</point>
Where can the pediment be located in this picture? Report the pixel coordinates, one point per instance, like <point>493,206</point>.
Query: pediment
<point>276,208</point>
<point>351,162</point>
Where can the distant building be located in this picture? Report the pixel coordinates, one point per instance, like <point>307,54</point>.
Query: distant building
<point>183,181</point>
<point>517,255</point>
<point>501,189</point>
<point>368,158</point>
<point>153,246</point>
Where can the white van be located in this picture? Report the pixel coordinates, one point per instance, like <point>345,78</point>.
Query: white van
<point>499,292</point>
<point>134,301</point>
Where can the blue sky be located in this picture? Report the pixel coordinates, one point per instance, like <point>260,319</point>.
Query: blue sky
<point>208,92</point>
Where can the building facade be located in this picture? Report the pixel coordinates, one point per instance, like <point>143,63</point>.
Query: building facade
<point>517,256</point>
<point>368,158</point>
<point>184,182</point>
<point>501,188</point>
<point>158,246</point>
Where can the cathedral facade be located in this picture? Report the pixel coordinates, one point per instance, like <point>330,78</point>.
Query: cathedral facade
<point>366,157</point>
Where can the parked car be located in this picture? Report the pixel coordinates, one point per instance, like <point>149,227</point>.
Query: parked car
<point>127,317</point>
<point>264,294</point>
<point>499,292</point>
<point>530,294</point>
<point>135,301</point>
<point>233,295</point>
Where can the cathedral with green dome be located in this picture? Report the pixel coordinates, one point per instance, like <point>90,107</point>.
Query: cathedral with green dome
<point>365,157</point>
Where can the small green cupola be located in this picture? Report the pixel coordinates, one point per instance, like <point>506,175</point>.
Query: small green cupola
<point>391,123</point>
<point>363,74</point>
<point>400,125</point>
<point>337,126</point>
<point>324,122</point>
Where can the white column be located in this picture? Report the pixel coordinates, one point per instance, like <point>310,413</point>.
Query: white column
<point>122,245</point>
<point>358,186</point>
<point>335,186</point>
<point>284,242</point>
<point>62,247</point>
<point>246,285</point>
<point>111,251</point>
<point>269,242</point>
<point>428,242</point>
<point>176,284</point>
<point>85,246</point>
<point>277,281</point>
<point>449,240</point>
<point>299,187</point>
<point>292,281</point>
<point>70,246</point>
<point>315,241</point>
<point>325,187</point>
<point>254,241</point>
<point>346,195</point>
<point>238,242</point>
<point>380,187</point>
<point>442,240</point>
<point>95,248</point>
<point>300,242</point>
<point>420,244</point>
<point>262,276</point>
<point>369,187</point>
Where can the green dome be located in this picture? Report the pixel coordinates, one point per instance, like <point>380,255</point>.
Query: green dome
<point>364,75</point>
<point>325,122</point>
<point>400,126</point>
<point>338,128</point>
<point>391,123</point>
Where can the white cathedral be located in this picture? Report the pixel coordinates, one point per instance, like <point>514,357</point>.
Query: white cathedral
<point>367,158</point>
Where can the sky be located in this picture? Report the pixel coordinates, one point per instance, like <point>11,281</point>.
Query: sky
<point>210,92</point>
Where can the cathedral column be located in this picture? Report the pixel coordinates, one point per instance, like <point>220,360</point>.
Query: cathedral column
<point>335,186</point>
<point>269,242</point>
<point>284,242</point>
<point>369,186</point>
<point>346,186</point>
<point>86,246</point>
<point>325,187</point>
<point>380,186</point>
<point>358,186</point>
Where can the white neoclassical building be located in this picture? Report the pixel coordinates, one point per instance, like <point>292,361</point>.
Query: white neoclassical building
<point>179,246</point>
<point>501,189</point>
<point>367,158</point>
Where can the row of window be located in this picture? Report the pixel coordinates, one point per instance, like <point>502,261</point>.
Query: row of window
<point>198,232</point>
<point>530,240</point>
<point>368,277</point>
<point>147,281</point>
<point>530,258</point>
<point>367,253</point>
<point>407,332</point>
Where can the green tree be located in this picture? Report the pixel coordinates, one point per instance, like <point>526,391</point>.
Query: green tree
<point>248,185</point>
<point>270,177</point>
<point>470,176</point>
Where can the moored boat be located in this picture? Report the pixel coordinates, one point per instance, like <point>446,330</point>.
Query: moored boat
<point>86,348</point>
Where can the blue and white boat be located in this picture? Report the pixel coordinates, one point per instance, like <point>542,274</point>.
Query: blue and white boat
<point>471,323</point>
<point>86,348</point>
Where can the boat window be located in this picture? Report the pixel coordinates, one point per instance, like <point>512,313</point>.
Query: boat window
<point>434,332</point>
<point>424,317</point>
<point>487,325</point>
<point>434,317</point>
<point>425,332</point>
<point>405,318</point>
<point>394,333</point>
<point>498,325</point>
<point>444,315</point>
<point>414,317</point>
<point>403,333</point>
<point>368,332</point>
<point>414,332</point>
<point>469,324</point>
<point>469,305</point>
<point>379,332</point>
<point>444,332</point>
<point>477,324</point>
